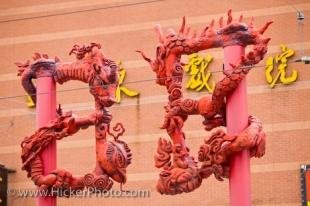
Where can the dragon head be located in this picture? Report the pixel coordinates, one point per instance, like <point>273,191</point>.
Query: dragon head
<point>172,45</point>
<point>104,82</point>
<point>103,77</point>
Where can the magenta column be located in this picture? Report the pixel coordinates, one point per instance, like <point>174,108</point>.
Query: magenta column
<point>46,111</point>
<point>237,120</point>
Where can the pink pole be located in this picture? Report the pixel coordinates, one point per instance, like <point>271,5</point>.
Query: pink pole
<point>46,111</point>
<point>237,120</point>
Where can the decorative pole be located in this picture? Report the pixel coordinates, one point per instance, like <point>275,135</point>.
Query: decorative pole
<point>220,152</point>
<point>38,156</point>
<point>237,121</point>
<point>46,111</point>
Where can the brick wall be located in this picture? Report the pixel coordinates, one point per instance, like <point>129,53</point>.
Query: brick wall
<point>122,30</point>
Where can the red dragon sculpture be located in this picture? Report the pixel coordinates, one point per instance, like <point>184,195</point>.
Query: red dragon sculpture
<point>181,173</point>
<point>113,154</point>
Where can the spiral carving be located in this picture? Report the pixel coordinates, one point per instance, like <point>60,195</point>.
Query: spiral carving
<point>218,147</point>
<point>89,179</point>
<point>189,105</point>
<point>177,181</point>
<point>118,129</point>
<point>203,152</point>
<point>102,182</point>
<point>175,94</point>
<point>177,73</point>
<point>213,149</point>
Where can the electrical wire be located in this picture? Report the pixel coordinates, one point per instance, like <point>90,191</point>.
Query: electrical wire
<point>12,98</point>
<point>129,82</point>
<point>103,8</point>
<point>81,11</point>
<point>13,122</point>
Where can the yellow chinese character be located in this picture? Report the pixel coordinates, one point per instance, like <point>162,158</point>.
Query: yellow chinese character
<point>120,88</point>
<point>30,103</point>
<point>281,61</point>
<point>197,68</point>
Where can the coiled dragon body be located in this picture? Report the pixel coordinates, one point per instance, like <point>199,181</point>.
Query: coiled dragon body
<point>113,155</point>
<point>181,173</point>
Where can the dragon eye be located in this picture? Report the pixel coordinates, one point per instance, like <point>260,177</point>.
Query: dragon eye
<point>103,84</point>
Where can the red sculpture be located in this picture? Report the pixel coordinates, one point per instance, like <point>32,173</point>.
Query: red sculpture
<point>113,154</point>
<point>181,173</point>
